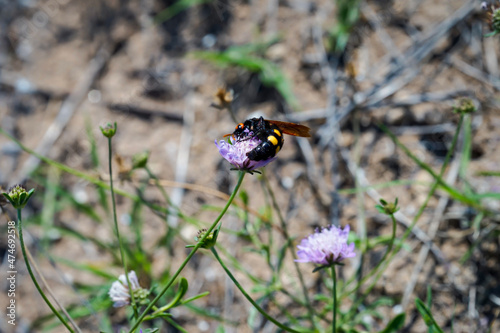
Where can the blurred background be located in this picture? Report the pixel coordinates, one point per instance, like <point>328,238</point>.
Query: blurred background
<point>340,67</point>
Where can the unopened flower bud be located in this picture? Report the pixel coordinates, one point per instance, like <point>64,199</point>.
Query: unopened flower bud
<point>18,196</point>
<point>465,105</point>
<point>211,239</point>
<point>140,160</point>
<point>387,208</point>
<point>109,130</point>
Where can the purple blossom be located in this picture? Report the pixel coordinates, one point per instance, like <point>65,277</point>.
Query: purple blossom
<point>326,246</point>
<point>235,152</point>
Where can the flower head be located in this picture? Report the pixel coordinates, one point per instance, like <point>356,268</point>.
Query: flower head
<point>464,106</point>
<point>327,246</point>
<point>120,293</point>
<point>109,130</point>
<point>388,208</point>
<point>235,152</point>
<point>18,196</point>
<point>211,239</point>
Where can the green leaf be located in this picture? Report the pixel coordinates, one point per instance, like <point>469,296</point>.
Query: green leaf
<point>491,34</point>
<point>244,197</point>
<point>493,195</point>
<point>8,198</point>
<point>183,287</point>
<point>30,193</point>
<point>396,324</point>
<point>150,330</point>
<point>22,199</point>
<point>429,297</point>
<point>489,173</point>
<point>282,254</point>
<point>201,311</point>
<point>188,300</point>
<point>427,316</point>
<point>103,198</point>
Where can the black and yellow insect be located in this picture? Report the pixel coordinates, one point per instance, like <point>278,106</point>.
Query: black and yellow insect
<point>270,133</point>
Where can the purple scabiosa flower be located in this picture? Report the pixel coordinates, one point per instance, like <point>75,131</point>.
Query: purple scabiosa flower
<point>327,246</point>
<point>120,293</point>
<point>235,152</point>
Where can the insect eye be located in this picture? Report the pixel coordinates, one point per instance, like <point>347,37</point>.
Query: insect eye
<point>240,126</point>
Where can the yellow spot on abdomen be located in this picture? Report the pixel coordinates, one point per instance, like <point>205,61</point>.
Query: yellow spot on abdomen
<point>273,140</point>
<point>277,132</point>
<point>278,148</point>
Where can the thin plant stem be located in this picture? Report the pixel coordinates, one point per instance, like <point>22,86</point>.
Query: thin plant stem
<point>438,178</point>
<point>191,254</point>
<point>157,184</point>
<point>334,296</point>
<point>257,307</point>
<point>292,251</point>
<point>117,230</point>
<point>93,180</point>
<point>50,292</point>
<point>389,249</point>
<point>28,266</point>
<point>376,270</point>
<point>438,181</point>
<point>441,173</point>
<point>44,282</point>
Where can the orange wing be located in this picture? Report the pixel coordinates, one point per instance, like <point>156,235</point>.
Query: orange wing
<point>291,128</point>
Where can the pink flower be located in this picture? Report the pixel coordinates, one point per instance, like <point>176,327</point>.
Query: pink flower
<point>326,246</point>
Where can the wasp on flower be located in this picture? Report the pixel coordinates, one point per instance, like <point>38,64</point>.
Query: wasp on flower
<point>255,143</point>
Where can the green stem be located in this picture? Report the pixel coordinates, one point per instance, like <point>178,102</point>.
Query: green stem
<point>238,285</point>
<point>438,178</point>
<point>117,230</point>
<point>191,254</point>
<point>93,180</point>
<point>374,270</point>
<point>334,295</point>
<point>157,184</point>
<point>292,251</point>
<point>28,266</point>
<point>389,249</point>
<point>438,181</point>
